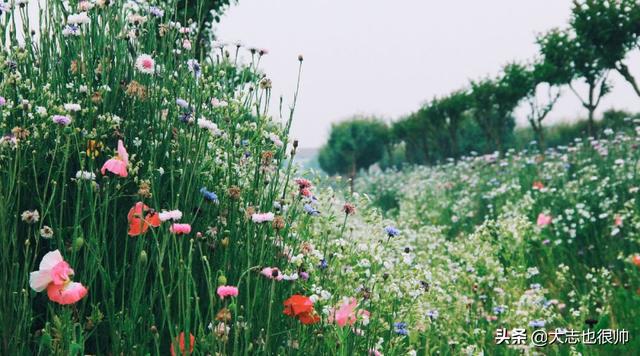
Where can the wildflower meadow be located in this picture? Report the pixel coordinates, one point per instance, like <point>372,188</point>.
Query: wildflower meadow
<point>151,204</point>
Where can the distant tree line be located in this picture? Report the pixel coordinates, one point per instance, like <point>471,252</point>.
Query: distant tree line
<point>479,117</point>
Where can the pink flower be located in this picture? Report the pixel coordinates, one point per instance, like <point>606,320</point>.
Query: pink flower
<point>180,229</point>
<point>54,276</point>
<point>227,291</point>
<point>272,273</point>
<point>544,220</point>
<point>617,220</point>
<point>262,217</point>
<point>68,293</point>
<point>53,269</point>
<point>374,352</point>
<point>349,209</point>
<point>145,64</point>
<point>345,313</point>
<point>302,183</point>
<point>118,164</point>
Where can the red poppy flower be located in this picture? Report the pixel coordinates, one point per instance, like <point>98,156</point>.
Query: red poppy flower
<point>139,225</point>
<point>180,339</point>
<point>301,307</point>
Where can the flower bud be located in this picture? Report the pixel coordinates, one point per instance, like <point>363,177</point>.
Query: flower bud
<point>222,280</point>
<point>143,257</point>
<point>78,243</point>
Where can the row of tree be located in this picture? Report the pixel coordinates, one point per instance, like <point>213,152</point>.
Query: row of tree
<point>479,117</point>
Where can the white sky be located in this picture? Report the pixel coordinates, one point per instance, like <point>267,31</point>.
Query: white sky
<point>386,58</point>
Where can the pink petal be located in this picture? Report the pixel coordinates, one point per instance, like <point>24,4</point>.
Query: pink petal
<point>39,280</point>
<point>115,166</point>
<point>50,260</point>
<point>61,272</point>
<point>66,294</point>
<point>122,152</point>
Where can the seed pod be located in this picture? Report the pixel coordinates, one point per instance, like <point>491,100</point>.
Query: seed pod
<point>222,280</point>
<point>143,257</point>
<point>78,243</point>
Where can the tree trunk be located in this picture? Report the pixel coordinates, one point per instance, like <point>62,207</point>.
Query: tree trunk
<point>540,133</point>
<point>453,133</point>
<point>591,107</point>
<point>537,130</point>
<point>590,125</point>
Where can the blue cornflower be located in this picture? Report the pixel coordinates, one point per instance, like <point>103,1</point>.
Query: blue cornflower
<point>401,328</point>
<point>323,264</point>
<point>311,210</point>
<point>194,67</point>
<point>182,103</point>
<point>392,231</point>
<point>185,117</point>
<point>433,314</point>
<point>537,323</point>
<point>71,30</point>
<point>499,309</point>
<point>156,11</point>
<point>210,196</point>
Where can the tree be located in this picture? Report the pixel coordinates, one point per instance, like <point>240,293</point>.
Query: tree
<point>493,102</point>
<point>541,77</point>
<point>205,12</point>
<point>574,58</point>
<point>353,145</point>
<point>611,28</point>
<point>453,108</point>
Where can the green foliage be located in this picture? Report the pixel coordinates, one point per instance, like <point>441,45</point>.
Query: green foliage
<point>563,134</point>
<point>207,12</point>
<point>493,102</point>
<point>484,212</point>
<point>569,57</point>
<point>610,29</point>
<point>353,145</point>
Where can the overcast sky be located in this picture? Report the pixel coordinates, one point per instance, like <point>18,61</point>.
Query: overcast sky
<point>386,58</point>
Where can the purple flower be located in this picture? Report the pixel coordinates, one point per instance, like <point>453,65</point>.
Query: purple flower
<point>433,314</point>
<point>210,196</point>
<point>71,30</point>
<point>304,276</point>
<point>3,101</point>
<point>499,309</point>
<point>186,117</point>
<point>392,231</point>
<point>156,11</point>
<point>61,120</point>
<point>182,103</point>
<point>537,323</point>
<point>4,7</point>
<point>311,210</point>
<point>401,328</point>
<point>194,67</point>
<point>323,264</point>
